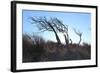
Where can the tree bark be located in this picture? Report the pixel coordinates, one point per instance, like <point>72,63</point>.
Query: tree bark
<point>57,38</point>
<point>66,39</point>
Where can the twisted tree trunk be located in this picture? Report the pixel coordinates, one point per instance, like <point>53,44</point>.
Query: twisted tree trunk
<point>80,40</point>
<point>57,38</point>
<point>66,39</point>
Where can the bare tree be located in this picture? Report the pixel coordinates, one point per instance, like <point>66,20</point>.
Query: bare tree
<point>79,34</point>
<point>46,25</point>
<point>58,24</point>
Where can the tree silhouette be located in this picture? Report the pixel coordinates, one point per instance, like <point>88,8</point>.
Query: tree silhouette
<point>79,34</point>
<point>46,25</point>
<point>61,28</point>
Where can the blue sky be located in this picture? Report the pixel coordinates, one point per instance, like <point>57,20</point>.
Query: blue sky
<point>79,21</point>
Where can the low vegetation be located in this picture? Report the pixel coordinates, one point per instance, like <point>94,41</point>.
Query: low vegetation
<point>36,49</point>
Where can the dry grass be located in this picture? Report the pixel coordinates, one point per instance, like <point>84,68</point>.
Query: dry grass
<point>36,49</point>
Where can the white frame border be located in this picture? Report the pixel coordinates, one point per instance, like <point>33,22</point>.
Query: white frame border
<point>21,66</point>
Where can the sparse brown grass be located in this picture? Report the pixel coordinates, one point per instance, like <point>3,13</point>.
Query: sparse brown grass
<point>36,49</point>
